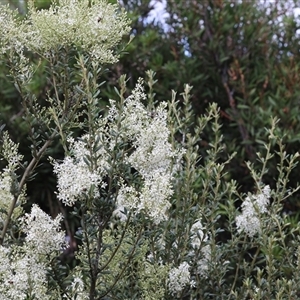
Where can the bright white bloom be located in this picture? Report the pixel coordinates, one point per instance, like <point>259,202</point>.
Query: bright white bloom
<point>93,28</point>
<point>4,266</point>
<point>197,235</point>
<point>10,152</point>
<point>179,278</point>
<point>252,207</point>
<point>12,44</point>
<point>7,22</point>
<point>28,277</point>
<point>151,155</point>
<point>149,133</point>
<point>128,197</point>
<point>6,197</point>
<point>153,151</point>
<point>43,234</point>
<point>154,197</point>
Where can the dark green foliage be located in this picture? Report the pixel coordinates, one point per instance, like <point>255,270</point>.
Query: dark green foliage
<point>242,55</point>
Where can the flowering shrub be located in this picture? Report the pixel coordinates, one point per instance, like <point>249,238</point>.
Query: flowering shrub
<point>156,219</point>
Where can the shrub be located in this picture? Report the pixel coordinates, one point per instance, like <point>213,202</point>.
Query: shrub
<point>155,219</point>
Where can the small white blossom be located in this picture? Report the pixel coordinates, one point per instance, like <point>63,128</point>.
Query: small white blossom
<point>151,200</point>
<point>179,278</point>
<point>151,155</point>
<point>10,152</point>
<point>28,278</point>
<point>252,207</point>
<point>12,44</point>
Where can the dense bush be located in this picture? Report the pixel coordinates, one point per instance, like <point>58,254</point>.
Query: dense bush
<point>184,198</point>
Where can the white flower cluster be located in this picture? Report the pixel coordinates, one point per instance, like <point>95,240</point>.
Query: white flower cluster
<point>43,234</point>
<point>12,44</point>
<point>9,32</point>
<point>23,269</point>
<point>252,208</point>
<point>95,27</point>
<point>152,156</point>
<point>21,276</point>
<point>179,278</point>
<point>7,17</point>
<point>75,177</point>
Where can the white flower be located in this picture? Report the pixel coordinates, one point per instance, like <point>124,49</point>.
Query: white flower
<point>152,200</point>
<point>43,234</point>
<point>179,278</point>
<point>22,275</point>
<point>28,278</point>
<point>5,263</point>
<point>252,208</point>
<point>151,155</point>
<point>154,197</point>
<point>75,177</point>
